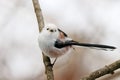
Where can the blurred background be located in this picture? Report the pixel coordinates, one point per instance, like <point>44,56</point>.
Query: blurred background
<point>93,21</point>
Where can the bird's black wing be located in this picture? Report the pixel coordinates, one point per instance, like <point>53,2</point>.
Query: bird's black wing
<point>63,32</point>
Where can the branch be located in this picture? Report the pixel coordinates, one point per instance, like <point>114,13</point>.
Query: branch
<point>46,60</point>
<point>39,15</point>
<point>103,71</point>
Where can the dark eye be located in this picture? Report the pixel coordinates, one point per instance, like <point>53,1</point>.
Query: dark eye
<point>47,28</point>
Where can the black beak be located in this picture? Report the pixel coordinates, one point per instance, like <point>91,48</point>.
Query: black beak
<point>51,30</point>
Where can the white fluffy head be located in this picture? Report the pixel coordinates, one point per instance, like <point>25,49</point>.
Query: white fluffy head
<point>50,30</point>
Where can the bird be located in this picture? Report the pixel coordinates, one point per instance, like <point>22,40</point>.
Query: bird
<point>54,42</point>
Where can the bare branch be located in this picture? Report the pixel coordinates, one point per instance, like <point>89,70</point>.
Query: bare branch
<point>38,13</point>
<point>103,71</point>
<point>46,60</point>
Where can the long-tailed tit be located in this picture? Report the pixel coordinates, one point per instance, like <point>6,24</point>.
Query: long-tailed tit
<point>54,42</point>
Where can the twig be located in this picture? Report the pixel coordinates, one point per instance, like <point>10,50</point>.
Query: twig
<point>46,60</point>
<point>38,13</point>
<point>103,71</point>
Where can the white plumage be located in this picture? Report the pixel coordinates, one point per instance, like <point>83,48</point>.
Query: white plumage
<point>47,38</point>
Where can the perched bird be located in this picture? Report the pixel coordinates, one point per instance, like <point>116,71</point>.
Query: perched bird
<point>53,42</point>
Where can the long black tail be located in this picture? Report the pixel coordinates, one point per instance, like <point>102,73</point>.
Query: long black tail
<point>60,44</point>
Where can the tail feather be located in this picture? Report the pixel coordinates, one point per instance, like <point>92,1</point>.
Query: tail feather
<point>92,45</point>
<point>60,44</point>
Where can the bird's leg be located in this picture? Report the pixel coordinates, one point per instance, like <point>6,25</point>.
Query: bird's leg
<point>54,61</point>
